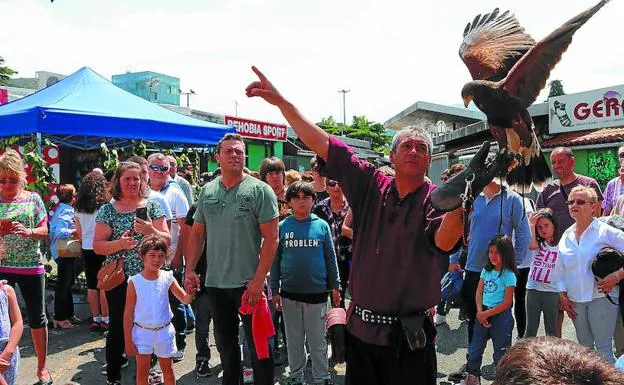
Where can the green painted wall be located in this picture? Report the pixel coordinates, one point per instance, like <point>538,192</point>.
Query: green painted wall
<point>256,152</point>
<point>278,148</point>
<point>582,162</point>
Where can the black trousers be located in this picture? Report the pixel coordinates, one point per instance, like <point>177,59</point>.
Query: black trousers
<point>520,301</point>
<point>369,364</point>
<point>179,313</point>
<point>468,292</point>
<point>63,300</point>
<point>115,338</point>
<point>344,270</point>
<point>225,304</point>
<point>443,307</point>
<point>203,317</point>
<point>33,289</point>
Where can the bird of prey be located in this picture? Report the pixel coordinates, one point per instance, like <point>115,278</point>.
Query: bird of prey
<point>509,69</point>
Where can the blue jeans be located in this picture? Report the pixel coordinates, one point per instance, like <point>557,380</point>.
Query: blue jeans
<point>501,326</point>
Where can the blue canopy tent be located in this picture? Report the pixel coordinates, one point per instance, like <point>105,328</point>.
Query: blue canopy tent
<point>84,110</point>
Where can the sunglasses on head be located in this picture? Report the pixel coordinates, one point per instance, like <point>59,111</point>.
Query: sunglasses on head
<point>9,181</point>
<point>332,183</point>
<point>580,202</point>
<point>154,167</point>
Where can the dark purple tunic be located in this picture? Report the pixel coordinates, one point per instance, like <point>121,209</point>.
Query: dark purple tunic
<point>395,261</point>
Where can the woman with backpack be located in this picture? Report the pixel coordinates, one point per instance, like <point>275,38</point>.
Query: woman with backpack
<point>591,305</point>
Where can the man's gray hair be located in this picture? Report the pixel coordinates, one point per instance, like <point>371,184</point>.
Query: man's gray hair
<point>158,157</point>
<point>563,150</point>
<point>415,132</point>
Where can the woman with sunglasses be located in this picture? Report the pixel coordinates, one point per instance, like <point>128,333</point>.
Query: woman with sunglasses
<point>591,305</point>
<point>23,224</point>
<point>118,232</point>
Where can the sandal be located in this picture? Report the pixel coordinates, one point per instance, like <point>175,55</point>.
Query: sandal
<point>155,378</point>
<point>63,325</point>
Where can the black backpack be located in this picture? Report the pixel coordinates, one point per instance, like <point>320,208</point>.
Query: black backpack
<point>606,262</point>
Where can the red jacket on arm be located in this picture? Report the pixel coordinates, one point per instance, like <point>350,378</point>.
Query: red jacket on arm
<point>261,324</point>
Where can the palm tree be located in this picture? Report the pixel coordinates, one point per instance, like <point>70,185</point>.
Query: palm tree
<point>5,72</point>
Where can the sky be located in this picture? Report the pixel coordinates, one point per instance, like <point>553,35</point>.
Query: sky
<point>388,53</point>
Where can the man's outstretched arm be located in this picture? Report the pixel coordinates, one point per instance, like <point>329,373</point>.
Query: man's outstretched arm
<point>311,134</point>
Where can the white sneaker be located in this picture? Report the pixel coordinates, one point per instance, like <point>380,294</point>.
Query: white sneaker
<point>439,319</point>
<point>248,376</point>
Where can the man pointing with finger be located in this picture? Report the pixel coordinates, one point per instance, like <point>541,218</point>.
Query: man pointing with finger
<point>398,239</point>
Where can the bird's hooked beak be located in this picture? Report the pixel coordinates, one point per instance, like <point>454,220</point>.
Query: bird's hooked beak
<point>467,100</point>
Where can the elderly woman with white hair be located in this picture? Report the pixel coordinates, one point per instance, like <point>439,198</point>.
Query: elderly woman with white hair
<point>591,305</point>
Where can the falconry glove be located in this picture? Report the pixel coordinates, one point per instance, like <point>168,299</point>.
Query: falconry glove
<point>480,172</point>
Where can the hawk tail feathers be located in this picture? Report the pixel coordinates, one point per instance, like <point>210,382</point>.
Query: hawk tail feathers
<point>534,174</point>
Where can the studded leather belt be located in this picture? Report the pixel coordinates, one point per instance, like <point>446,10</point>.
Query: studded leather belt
<point>369,316</point>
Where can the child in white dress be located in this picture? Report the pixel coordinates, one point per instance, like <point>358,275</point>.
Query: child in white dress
<point>147,316</point>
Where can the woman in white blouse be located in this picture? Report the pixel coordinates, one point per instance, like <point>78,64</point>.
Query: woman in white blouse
<point>584,300</point>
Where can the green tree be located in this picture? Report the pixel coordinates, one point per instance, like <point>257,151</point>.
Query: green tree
<point>556,88</point>
<point>5,72</point>
<point>360,128</point>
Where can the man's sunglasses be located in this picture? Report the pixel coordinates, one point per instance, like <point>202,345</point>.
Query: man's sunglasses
<point>154,167</point>
<point>580,202</point>
<point>332,183</point>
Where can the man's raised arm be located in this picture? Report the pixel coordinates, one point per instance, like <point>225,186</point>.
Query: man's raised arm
<point>311,134</point>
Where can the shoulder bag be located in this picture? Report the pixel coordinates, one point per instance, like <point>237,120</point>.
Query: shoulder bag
<point>69,247</point>
<point>111,275</point>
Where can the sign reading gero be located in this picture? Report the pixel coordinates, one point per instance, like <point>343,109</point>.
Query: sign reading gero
<point>599,108</point>
<point>257,130</point>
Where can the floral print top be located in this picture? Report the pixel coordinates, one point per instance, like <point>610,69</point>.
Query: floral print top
<point>119,224</point>
<point>23,255</point>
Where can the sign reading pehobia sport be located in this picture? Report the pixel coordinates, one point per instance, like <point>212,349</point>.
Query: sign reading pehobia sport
<point>589,110</point>
<point>257,130</point>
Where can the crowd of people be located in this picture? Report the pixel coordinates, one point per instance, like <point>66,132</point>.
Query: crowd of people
<point>263,256</point>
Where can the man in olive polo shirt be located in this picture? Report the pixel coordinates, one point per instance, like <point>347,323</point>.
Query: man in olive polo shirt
<point>237,216</point>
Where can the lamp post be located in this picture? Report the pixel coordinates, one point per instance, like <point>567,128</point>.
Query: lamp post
<point>236,108</point>
<point>344,111</point>
<point>188,94</point>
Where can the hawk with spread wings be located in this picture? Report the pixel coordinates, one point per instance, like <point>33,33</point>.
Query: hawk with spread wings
<point>509,70</point>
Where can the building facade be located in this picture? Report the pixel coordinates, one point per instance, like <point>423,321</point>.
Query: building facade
<point>151,86</point>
